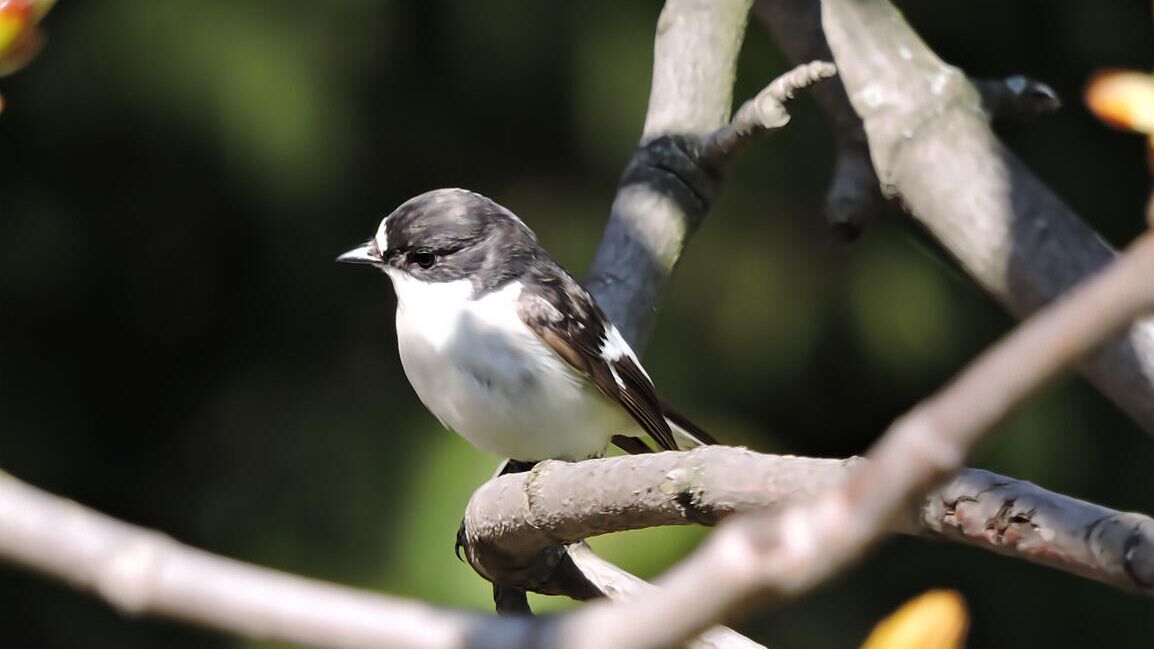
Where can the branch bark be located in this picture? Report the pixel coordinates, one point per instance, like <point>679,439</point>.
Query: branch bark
<point>514,518</point>
<point>930,143</point>
<point>142,572</point>
<point>665,193</point>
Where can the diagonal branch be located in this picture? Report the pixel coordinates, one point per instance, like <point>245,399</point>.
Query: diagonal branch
<point>142,572</point>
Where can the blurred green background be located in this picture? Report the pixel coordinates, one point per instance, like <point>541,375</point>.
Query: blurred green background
<point>178,349</point>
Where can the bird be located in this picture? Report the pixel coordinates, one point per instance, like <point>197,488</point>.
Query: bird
<point>503,345</point>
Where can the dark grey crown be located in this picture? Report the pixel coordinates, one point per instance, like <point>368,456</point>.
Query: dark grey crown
<point>464,234</point>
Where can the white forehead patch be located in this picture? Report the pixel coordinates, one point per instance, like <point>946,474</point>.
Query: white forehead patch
<point>382,237</point>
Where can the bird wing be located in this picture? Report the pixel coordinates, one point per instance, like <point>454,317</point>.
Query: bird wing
<point>564,316</point>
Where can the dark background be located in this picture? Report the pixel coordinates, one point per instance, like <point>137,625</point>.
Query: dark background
<point>178,349</point>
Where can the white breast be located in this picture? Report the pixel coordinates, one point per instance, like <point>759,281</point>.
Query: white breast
<point>484,374</point>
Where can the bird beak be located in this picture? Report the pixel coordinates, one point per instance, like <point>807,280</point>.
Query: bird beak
<point>366,254</point>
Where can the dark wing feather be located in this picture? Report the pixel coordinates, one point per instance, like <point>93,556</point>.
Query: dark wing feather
<point>565,317</point>
<point>631,445</point>
<point>683,422</point>
<point>636,393</point>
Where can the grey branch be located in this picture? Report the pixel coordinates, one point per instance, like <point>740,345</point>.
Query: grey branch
<point>618,584</point>
<point>695,58</point>
<point>142,572</point>
<point>932,148</point>
<point>514,518</point>
<point>764,113</point>
<point>664,192</point>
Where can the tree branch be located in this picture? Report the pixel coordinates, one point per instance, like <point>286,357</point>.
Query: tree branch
<point>929,141</point>
<point>142,572</point>
<point>665,192</point>
<point>514,518</point>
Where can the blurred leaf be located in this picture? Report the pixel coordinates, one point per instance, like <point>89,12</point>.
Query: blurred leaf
<point>20,39</point>
<point>1123,99</point>
<point>934,620</point>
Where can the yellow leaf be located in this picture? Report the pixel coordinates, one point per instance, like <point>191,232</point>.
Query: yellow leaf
<point>11,29</point>
<point>1124,99</point>
<point>934,620</point>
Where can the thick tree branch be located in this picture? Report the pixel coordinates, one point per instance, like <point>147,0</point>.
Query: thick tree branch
<point>932,147</point>
<point>514,518</point>
<point>665,193</point>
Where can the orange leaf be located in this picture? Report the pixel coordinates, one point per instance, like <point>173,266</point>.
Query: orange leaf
<point>934,620</point>
<point>1124,99</point>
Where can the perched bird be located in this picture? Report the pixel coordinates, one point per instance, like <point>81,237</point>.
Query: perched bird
<point>503,345</point>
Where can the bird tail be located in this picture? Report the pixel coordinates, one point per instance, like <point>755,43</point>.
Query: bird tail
<point>686,433</point>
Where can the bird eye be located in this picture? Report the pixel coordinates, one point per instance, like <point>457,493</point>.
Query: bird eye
<point>423,258</point>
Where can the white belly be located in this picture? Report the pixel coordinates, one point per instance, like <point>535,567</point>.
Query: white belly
<point>485,375</point>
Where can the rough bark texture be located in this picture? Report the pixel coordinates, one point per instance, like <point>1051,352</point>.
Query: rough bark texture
<point>1019,519</point>
<point>516,517</point>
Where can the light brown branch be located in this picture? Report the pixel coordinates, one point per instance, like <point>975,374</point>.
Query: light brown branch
<point>514,518</point>
<point>141,572</point>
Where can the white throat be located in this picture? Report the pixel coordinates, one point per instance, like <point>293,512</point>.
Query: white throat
<point>433,307</point>
<point>484,374</point>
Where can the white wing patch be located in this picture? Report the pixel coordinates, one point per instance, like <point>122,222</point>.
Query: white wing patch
<point>614,348</point>
<point>616,376</point>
